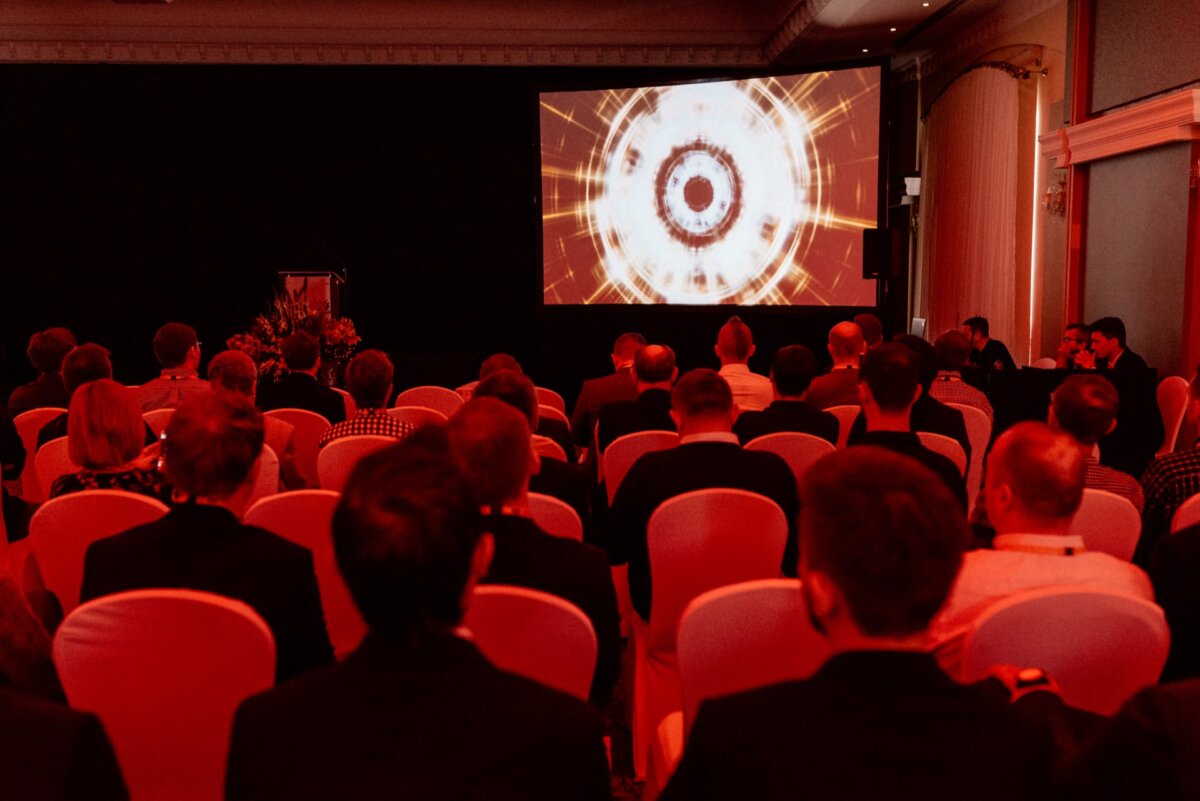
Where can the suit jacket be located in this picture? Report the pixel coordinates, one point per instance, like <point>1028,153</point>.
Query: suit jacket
<point>1175,573</point>
<point>869,724</point>
<point>909,445</point>
<point>49,752</point>
<point>835,388</point>
<point>650,412</point>
<point>438,722</point>
<point>993,356</point>
<point>526,556</point>
<point>662,475</point>
<point>595,395</point>
<point>1129,362</point>
<point>787,415</point>
<point>199,547</point>
<point>47,390</point>
<point>301,391</point>
<point>928,414</point>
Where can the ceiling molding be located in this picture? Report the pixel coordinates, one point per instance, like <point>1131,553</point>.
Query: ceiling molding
<point>792,27</point>
<point>1171,118</point>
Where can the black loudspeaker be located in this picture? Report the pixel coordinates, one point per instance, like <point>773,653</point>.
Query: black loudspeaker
<point>883,252</point>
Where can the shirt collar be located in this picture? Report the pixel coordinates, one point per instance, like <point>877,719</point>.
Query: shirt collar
<point>1040,543</point>
<point>737,369</point>
<point>949,375</point>
<point>179,372</point>
<point>710,436</point>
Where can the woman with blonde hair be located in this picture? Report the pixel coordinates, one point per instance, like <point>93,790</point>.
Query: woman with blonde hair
<point>105,436</point>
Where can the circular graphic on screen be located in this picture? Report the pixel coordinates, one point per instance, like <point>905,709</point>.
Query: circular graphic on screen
<point>702,194</point>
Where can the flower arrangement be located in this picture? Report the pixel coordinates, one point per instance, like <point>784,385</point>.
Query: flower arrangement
<point>287,315</point>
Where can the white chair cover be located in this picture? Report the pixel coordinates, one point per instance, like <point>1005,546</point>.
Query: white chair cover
<point>157,419</point>
<point>979,434</point>
<point>267,481</point>
<point>554,413</point>
<point>1044,363</point>
<point>548,448</point>
<point>446,401</point>
<point>555,516</point>
<point>548,397</point>
<point>417,416</point>
<point>62,528</point>
<point>337,459</point>
<point>534,634</point>
<point>28,425</point>
<point>800,451</point>
<point>1100,646</point>
<point>846,416</point>
<point>1188,514</point>
<point>348,402</point>
<point>946,446</point>
<point>310,427</point>
<point>51,461</point>
<point>1108,523</point>
<point>1173,394</point>
<point>165,670</point>
<point>622,452</point>
<point>305,517</point>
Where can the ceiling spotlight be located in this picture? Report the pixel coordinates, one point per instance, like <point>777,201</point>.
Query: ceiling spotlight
<point>926,5</point>
<point>893,30</point>
<point>865,50</point>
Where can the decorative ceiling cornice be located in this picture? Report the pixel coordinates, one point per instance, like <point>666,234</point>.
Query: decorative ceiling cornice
<point>793,26</point>
<point>1171,118</point>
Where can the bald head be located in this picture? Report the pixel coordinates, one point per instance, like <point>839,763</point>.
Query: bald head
<point>845,344</point>
<point>735,343</point>
<point>654,365</point>
<point>1035,479</point>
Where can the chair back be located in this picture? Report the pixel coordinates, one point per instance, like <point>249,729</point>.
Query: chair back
<point>165,671</point>
<point>622,452</point>
<point>310,427</point>
<point>548,397</point>
<point>417,416</point>
<point>556,517</point>
<point>744,636</point>
<point>1188,514</point>
<point>1100,646</point>
<point>1044,363</point>
<point>305,517</point>
<point>1173,394</point>
<point>51,461</point>
<point>338,458</point>
<point>267,482</point>
<point>553,413</point>
<point>548,448</point>
<point>946,446</point>
<point>979,434</point>
<point>846,416</point>
<point>446,401</point>
<point>348,402</point>
<point>1108,523</point>
<point>62,528</point>
<point>800,451</point>
<point>157,419</point>
<point>534,634</point>
<point>28,425</point>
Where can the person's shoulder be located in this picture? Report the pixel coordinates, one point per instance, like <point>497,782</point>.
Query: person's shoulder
<point>267,540</point>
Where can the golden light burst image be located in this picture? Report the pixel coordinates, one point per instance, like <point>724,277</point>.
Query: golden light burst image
<point>731,192</point>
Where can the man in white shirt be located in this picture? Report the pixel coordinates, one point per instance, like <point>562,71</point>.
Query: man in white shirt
<point>1035,479</point>
<point>735,346</point>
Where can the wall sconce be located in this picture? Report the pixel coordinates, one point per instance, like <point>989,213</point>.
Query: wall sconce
<point>912,197</point>
<point>1054,201</point>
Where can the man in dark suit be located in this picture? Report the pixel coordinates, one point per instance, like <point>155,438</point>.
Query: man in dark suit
<point>492,439</point>
<point>883,542</point>
<point>839,387</point>
<point>654,370</point>
<point>416,711</point>
<point>792,372</point>
<point>708,455</point>
<point>212,443</point>
<point>46,351</point>
<point>1108,349</point>
<point>599,392</point>
<point>298,389</point>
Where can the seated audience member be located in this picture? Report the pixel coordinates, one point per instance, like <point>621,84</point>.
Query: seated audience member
<point>951,350</point>
<point>1033,487</point>
<point>1108,349</point>
<point>792,371</point>
<point>234,371</point>
<point>546,427</point>
<point>1085,406</point>
<point>872,329</point>
<point>492,364</point>
<point>212,443</point>
<point>1175,574</point>
<point>654,371</point>
<point>178,351</point>
<point>882,542</point>
<point>1075,345</point>
<point>735,346</point>
<point>298,388</point>
<point>620,385</point>
<point>87,362</point>
<point>105,437</point>
<point>988,353</point>
<point>708,455</point>
<point>839,387</point>
<point>1169,481</point>
<point>369,380</point>
<point>492,440</point>
<point>888,390</point>
<point>12,461</point>
<point>416,711</point>
<point>46,351</point>
<point>567,482</point>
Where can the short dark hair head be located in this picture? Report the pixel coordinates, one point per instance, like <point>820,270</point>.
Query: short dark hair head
<point>47,349</point>
<point>84,363</point>
<point>892,373</point>
<point>404,535</point>
<point>1044,468</point>
<point>734,340</point>
<point>792,370</point>
<point>212,442</point>
<point>887,531</point>
<point>977,324</point>
<point>627,345</point>
<point>952,349</point>
<point>300,350</point>
<point>491,439</point>
<point>1085,407</point>
<point>702,393</point>
<point>497,362</point>
<point>513,388</point>
<point>927,361</point>
<point>1084,327</point>
<point>233,370</point>
<point>369,379</point>
<point>846,341</point>
<point>172,343</point>
<point>1111,328</point>
<point>871,327</point>
<point>654,364</point>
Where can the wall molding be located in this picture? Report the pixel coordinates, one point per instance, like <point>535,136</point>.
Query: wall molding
<point>1171,118</point>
